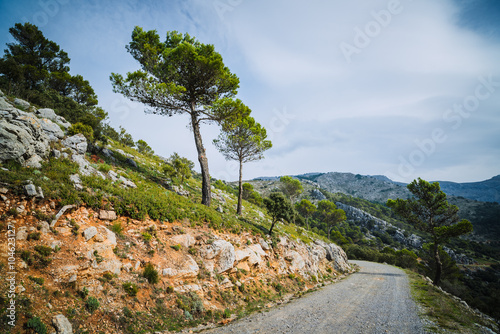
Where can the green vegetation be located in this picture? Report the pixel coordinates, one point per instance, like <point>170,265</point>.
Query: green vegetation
<point>243,140</point>
<point>279,208</point>
<point>130,288</point>
<point>92,304</point>
<point>36,325</point>
<point>180,75</point>
<point>291,187</point>
<point>444,311</point>
<point>151,274</point>
<point>430,212</point>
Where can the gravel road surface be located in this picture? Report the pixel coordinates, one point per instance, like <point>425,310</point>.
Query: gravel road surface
<point>374,300</point>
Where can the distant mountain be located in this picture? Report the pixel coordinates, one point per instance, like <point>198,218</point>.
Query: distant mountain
<point>372,188</point>
<point>484,191</point>
<point>379,188</point>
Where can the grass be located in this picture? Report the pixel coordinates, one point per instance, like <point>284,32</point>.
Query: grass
<point>446,314</point>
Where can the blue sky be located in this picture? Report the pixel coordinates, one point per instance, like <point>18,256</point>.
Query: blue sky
<point>403,88</point>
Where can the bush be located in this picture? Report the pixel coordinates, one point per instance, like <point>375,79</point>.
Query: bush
<point>34,236</point>
<point>92,304</point>
<point>151,274</point>
<point>37,280</point>
<point>84,129</point>
<point>43,250</point>
<point>37,325</point>
<point>130,288</point>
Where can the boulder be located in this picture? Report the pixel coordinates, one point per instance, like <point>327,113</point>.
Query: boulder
<point>44,227</point>
<point>77,182</point>
<point>51,115</point>
<point>22,137</point>
<point>131,162</point>
<point>107,215</point>
<point>185,240</point>
<point>219,256</point>
<point>21,104</point>
<point>89,233</point>
<point>51,129</point>
<point>336,255</point>
<point>188,269</point>
<point>77,143</point>
<point>62,324</point>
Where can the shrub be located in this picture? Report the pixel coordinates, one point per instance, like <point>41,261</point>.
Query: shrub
<point>37,280</point>
<point>43,250</point>
<point>37,325</point>
<point>117,228</point>
<point>84,129</point>
<point>130,288</point>
<point>151,274</point>
<point>26,257</point>
<point>104,168</point>
<point>84,293</point>
<point>170,289</point>
<point>176,247</point>
<point>226,314</point>
<point>34,236</point>
<point>92,304</point>
<point>146,236</point>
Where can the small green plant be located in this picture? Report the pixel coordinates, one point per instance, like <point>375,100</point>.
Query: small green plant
<point>26,257</point>
<point>170,289</point>
<point>37,325</point>
<point>117,228</point>
<point>34,236</point>
<point>98,257</point>
<point>130,288</point>
<point>84,129</point>
<point>43,250</point>
<point>192,251</point>
<point>37,280</point>
<point>75,227</point>
<point>226,314</point>
<point>176,247</point>
<point>151,274</point>
<point>83,293</point>
<point>104,168</point>
<point>146,236</point>
<point>92,304</point>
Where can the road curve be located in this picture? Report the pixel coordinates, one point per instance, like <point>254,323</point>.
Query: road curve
<point>374,300</point>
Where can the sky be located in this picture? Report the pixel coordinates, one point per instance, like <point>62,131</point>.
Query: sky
<point>401,88</point>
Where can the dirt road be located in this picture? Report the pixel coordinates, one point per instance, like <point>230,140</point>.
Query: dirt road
<point>374,300</point>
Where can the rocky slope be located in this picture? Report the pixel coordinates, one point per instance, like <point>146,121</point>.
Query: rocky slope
<point>80,268</point>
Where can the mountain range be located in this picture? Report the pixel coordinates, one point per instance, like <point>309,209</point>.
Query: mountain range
<point>379,188</point>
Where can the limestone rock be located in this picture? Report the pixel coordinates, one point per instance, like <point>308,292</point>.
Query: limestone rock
<point>89,233</point>
<point>77,182</point>
<point>51,129</point>
<point>22,137</point>
<point>44,227</point>
<point>188,269</point>
<point>77,143</point>
<point>219,256</point>
<point>62,324</point>
<point>185,240</point>
<point>21,104</point>
<point>107,215</point>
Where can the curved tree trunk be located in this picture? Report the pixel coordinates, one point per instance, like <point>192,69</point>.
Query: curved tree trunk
<point>240,189</point>
<point>439,265</point>
<point>206,195</point>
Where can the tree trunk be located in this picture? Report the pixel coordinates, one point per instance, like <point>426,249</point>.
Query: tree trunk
<point>206,195</point>
<point>439,265</point>
<point>271,229</point>
<point>240,189</point>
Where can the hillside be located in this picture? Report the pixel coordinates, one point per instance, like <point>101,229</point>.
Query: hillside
<point>380,188</point>
<point>96,238</point>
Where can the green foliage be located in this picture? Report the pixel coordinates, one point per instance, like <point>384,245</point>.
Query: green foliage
<point>37,280</point>
<point>92,304</point>
<point>291,187</point>
<point>125,138</point>
<point>151,274</point>
<point>84,129</point>
<point>191,303</point>
<point>251,195</point>
<point>130,288</point>
<point>306,209</point>
<point>36,69</point>
<point>180,75</point>
<point>330,214</point>
<point>34,236</point>
<point>429,211</point>
<point>146,236</point>
<point>242,139</point>
<point>279,208</point>
<point>176,247</point>
<point>178,169</point>
<point>43,250</point>
<point>36,325</point>
<point>143,147</point>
